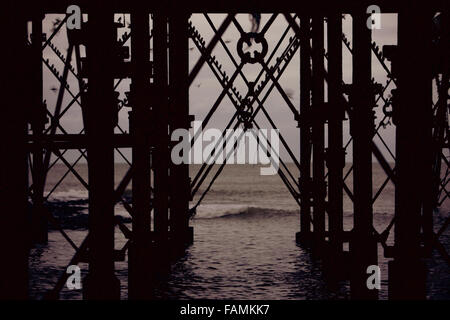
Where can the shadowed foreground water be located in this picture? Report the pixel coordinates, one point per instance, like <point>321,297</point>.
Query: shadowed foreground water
<point>244,246</point>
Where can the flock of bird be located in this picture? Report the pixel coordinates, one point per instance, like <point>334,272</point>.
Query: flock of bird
<point>57,21</point>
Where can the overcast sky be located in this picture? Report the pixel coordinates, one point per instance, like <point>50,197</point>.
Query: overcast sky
<point>205,89</point>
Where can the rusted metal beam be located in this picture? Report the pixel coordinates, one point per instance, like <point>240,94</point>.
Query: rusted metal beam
<point>335,152</point>
<point>13,162</point>
<point>413,151</point>
<point>139,263</point>
<point>101,282</point>
<point>318,132</point>
<point>38,113</point>
<point>59,6</point>
<point>305,182</point>
<point>179,105</point>
<point>161,155</point>
<point>363,246</point>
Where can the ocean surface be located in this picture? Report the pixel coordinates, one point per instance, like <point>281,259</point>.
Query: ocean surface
<point>244,245</point>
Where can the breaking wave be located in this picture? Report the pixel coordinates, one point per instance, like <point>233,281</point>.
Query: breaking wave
<point>213,211</point>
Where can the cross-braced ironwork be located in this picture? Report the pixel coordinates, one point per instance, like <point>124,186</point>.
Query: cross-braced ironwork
<point>134,61</point>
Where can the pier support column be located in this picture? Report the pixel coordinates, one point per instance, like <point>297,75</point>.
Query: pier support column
<point>14,238</point>
<point>161,154</point>
<point>413,154</point>
<point>363,244</point>
<point>335,152</point>
<point>318,133</point>
<point>140,251</point>
<point>38,119</point>
<point>181,233</point>
<point>305,182</point>
<point>101,282</point>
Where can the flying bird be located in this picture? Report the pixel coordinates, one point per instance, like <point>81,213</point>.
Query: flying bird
<point>255,19</point>
<point>290,93</point>
<point>56,24</point>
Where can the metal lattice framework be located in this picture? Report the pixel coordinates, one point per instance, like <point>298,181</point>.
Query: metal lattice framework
<point>157,98</point>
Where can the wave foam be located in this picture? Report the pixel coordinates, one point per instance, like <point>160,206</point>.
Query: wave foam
<point>212,211</point>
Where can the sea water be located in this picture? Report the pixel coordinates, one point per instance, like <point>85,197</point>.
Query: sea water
<point>244,245</point>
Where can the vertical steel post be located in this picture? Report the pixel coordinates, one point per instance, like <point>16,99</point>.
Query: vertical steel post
<point>161,156</point>
<point>305,182</point>
<point>413,153</point>
<point>139,273</point>
<point>181,234</point>
<point>335,151</point>
<point>363,245</point>
<point>318,131</point>
<point>14,238</point>
<point>38,114</point>
<point>101,282</point>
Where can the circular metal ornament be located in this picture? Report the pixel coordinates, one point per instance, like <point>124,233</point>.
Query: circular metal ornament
<point>247,56</point>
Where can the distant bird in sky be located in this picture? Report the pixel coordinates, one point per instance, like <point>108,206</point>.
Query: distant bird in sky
<point>191,48</point>
<point>124,20</point>
<point>255,19</point>
<point>56,24</point>
<point>198,86</point>
<point>227,41</point>
<point>290,93</point>
<point>54,89</point>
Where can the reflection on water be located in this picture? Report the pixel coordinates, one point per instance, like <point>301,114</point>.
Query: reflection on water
<point>243,256</point>
<point>244,245</point>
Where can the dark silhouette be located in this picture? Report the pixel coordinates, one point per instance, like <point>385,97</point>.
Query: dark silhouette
<point>161,201</point>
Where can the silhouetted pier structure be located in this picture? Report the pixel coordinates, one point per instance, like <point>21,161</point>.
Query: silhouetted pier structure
<point>159,101</point>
